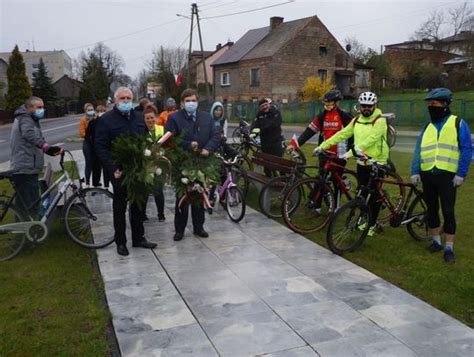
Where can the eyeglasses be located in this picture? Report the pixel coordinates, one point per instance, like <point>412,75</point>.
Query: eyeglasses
<point>367,106</point>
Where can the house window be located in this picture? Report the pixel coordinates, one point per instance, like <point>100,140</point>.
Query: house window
<point>254,77</point>
<point>225,79</point>
<point>323,50</point>
<point>323,74</point>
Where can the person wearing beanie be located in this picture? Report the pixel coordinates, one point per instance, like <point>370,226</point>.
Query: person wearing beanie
<point>440,163</point>
<point>170,109</point>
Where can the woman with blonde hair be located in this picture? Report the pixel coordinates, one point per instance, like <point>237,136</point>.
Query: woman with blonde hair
<point>87,149</point>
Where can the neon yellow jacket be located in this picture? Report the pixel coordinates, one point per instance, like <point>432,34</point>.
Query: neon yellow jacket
<point>369,136</point>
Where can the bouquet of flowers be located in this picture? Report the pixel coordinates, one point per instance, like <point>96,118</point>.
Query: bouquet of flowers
<point>143,162</point>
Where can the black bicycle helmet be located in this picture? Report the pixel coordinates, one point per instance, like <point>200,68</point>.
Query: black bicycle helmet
<point>441,94</point>
<point>332,95</point>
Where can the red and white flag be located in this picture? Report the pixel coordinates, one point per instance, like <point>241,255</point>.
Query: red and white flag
<point>294,142</point>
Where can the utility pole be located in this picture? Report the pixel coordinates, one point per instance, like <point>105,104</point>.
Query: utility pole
<point>188,73</point>
<point>206,82</point>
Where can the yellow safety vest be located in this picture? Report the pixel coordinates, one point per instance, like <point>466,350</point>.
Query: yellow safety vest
<point>158,132</point>
<point>443,151</point>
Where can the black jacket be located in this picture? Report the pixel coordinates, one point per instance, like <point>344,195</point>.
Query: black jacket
<point>203,131</point>
<point>110,126</point>
<point>269,124</point>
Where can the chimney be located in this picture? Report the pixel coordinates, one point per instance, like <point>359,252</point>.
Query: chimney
<point>275,21</point>
<point>218,46</point>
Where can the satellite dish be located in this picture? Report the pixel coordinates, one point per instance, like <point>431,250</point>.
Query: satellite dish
<point>114,86</point>
<point>348,47</point>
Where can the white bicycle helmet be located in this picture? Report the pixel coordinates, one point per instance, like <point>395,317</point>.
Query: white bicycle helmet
<point>368,98</point>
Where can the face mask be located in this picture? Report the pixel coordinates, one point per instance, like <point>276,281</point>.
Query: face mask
<point>437,114</point>
<point>90,113</point>
<point>190,107</point>
<point>39,113</point>
<point>124,107</point>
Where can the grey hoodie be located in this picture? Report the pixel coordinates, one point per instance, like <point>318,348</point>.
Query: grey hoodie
<point>26,140</point>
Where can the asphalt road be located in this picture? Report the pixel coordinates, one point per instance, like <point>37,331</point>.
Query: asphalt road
<point>55,131</point>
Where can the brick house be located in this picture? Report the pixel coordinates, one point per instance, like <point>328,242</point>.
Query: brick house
<point>274,61</point>
<point>197,71</point>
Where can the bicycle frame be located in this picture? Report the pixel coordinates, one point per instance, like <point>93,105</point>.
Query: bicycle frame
<point>26,226</point>
<point>330,167</point>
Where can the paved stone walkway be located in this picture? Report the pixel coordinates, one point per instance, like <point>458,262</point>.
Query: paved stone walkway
<point>256,288</point>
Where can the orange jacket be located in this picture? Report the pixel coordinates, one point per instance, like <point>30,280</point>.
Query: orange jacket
<point>163,118</point>
<point>83,127</point>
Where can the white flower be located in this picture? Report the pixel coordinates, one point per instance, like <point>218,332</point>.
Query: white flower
<point>147,152</point>
<point>185,180</point>
<point>158,171</point>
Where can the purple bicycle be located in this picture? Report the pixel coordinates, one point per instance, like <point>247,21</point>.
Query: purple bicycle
<point>228,194</point>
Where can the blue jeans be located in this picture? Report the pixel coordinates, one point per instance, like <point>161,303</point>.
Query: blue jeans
<point>27,199</point>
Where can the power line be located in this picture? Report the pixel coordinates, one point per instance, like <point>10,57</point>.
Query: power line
<point>247,11</point>
<point>124,35</point>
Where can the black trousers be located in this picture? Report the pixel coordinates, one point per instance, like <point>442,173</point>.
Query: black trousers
<point>363,174</point>
<point>438,187</point>
<point>119,208</point>
<point>159,201</point>
<point>275,149</point>
<point>181,216</point>
<point>27,199</point>
<point>88,152</point>
<point>97,171</point>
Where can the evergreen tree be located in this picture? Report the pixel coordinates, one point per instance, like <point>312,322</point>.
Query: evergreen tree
<point>19,88</point>
<point>94,76</point>
<point>43,85</point>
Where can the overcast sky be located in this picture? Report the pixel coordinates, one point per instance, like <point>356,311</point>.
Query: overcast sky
<point>134,27</point>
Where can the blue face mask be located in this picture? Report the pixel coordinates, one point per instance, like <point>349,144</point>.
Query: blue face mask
<point>39,113</point>
<point>124,107</point>
<point>190,107</point>
<point>90,113</point>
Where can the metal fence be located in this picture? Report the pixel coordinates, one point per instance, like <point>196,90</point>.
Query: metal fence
<point>408,112</point>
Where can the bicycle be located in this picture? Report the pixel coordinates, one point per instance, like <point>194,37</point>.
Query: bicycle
<point>86,211</point>
<point>228,194</point>
<point>247,145</point>
<point>319,197</point>
<point>350,224</point>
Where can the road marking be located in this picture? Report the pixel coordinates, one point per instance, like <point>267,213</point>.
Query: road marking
<point>59,127</point>
<point>59,144</point>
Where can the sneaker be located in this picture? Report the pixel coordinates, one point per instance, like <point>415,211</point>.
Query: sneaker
<point>361,227</point>
<point>449,256</point>
<point>434,247</point>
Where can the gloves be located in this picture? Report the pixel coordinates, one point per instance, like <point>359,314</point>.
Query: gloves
<point>415,179</point>
<point>458,181</point>
<point>53,150</point>
<point>252,135</point>
<point>346,155</point>
<point>317,151</point>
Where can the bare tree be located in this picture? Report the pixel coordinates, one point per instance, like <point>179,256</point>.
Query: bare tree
<point>140,83</point>
<point>461,18</point>
<point>432,28</point>
<point>166,62</point>
<point>359,52</point>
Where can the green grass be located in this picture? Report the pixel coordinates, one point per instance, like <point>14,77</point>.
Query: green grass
<point>51,300</point>
<point>396,257</point>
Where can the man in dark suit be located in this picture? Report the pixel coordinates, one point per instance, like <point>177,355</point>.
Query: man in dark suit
<point>122,119</point>
<point>199,134</point>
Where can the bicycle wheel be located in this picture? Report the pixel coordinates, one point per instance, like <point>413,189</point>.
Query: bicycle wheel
<point>418,226</point>
<point>306,207</point>
<point>88,218</point>
<point>272,194</point>
<point>240,178</point>
<point>348,227</point>
<point>235,203</point>
<point>11,243</point>
<point>395,194</point>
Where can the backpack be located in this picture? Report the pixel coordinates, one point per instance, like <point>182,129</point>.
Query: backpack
<point>391,131</point>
